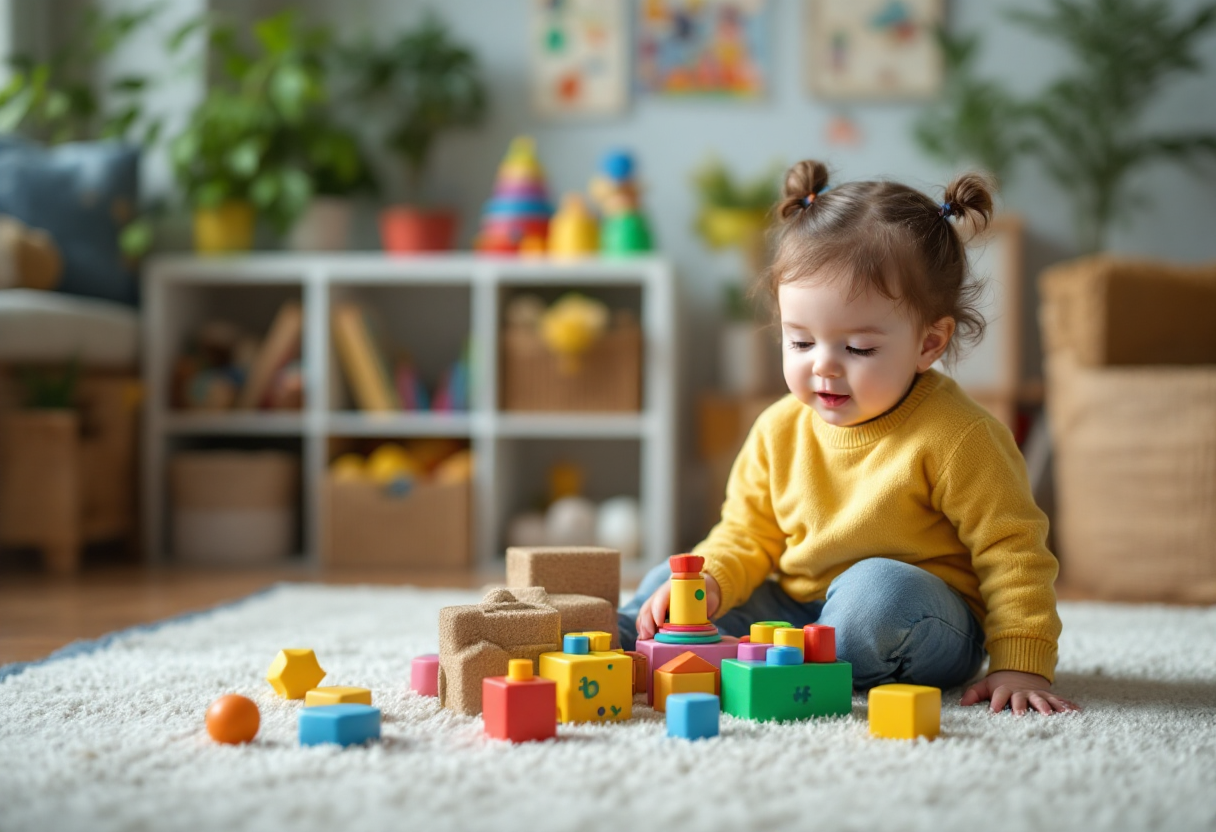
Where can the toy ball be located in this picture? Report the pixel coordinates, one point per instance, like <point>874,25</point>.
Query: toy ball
<point>617,165</point>
<point>233,719</point>
<point>618,526</point>
<point>571,522</point>
<point>391,462</point>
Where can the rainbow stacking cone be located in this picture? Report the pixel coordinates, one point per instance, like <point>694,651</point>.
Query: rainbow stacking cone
<point>688,616</point>
<point>517,215</point>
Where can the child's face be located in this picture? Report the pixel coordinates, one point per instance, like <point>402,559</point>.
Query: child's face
<point>852,360</point>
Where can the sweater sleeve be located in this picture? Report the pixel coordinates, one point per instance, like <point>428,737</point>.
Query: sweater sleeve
<point>743,548</point>
<point>984,491</point>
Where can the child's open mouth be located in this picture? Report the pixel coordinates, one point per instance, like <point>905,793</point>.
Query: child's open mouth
<point>830,400</point>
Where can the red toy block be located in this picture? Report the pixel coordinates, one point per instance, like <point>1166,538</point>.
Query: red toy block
<point>820,641</point>
<point>686,563</point>
<point>519,709</point>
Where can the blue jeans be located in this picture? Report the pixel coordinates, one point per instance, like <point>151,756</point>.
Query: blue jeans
<point>894,622</point>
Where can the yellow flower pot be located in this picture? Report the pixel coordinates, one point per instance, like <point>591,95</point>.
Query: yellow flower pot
<point>224,229</point>
<point>725,227</point>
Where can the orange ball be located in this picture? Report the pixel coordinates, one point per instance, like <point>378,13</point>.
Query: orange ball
<point>233,719</point>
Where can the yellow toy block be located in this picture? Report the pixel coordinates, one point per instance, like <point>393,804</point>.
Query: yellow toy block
<point>598,641</point>
<point>790,637</point>
<point>762,633</point>
<point>591,687</point>
<point>335,695</point>
<point>293,673</point>
<point>688,604</point>
<point>687,673</point>
<point>904,712</point>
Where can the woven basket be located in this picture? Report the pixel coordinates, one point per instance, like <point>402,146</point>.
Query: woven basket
<point>1134,445</point>
<point>608,378</point>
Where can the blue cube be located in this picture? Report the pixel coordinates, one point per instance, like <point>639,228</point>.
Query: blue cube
<point>347,724</point>
<point>692,716</point>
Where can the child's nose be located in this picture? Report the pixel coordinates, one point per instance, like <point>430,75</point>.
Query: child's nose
<point>826,367</point>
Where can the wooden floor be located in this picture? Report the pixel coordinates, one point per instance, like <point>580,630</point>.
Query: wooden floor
<point>40,613</point>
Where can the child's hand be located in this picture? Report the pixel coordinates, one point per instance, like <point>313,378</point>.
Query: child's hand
<point>1018,689</point>
<point>654,609</point>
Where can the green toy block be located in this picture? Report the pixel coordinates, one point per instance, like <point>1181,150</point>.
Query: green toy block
<point>767,693</point>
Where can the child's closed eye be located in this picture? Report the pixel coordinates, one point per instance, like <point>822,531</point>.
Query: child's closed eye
<point>801,345</point>
<point>861,352</point>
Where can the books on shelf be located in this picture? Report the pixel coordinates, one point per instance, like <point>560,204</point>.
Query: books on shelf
<point>362,362</point>
<point>279,349</point>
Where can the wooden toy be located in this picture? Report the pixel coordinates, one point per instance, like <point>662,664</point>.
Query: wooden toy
<point>688,605</point>
<point>688,602</point>
<point>904,712</point>
<point>641,671</point>
<point>591,686</point>
<point>623,229</point>
<point>348,724</point>
<point>520,206</point>
<point>479,640</point>
<point>658,654</point>
<point>687,673</point>
<point>337,696</point>
<point>424,674</point>
<point>820,643</point>
<point>693,716</point>
<point>519,706</point>
<point>294,673</point>
<point>790,637</point>
<point>583,583</point>
<point>573,231</point>
<point>233,719</point>
<point>776,692</point>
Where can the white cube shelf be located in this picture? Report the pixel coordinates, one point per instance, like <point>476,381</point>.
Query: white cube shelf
<point>461,296</point>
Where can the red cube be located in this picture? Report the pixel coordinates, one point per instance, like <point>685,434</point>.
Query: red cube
<point>819,643</point>
<point>519,710</point>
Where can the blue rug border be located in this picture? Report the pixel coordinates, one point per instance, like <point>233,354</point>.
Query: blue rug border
<point>84,647</point>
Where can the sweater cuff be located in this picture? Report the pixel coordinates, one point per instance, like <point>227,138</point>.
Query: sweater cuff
<point>1028,655</point>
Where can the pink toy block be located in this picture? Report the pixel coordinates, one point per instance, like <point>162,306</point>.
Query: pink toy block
<point>658,654</point>
<point>424,675</point>
<point>820,643</point>
<point>749,652</point>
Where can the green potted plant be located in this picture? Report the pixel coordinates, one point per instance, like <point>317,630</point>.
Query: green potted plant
<point>261,143</point>
<point>430,84</point>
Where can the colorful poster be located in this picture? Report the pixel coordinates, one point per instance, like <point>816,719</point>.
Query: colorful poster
<point>877,49</point>
<point>579,57</point>
<point>703,47</point>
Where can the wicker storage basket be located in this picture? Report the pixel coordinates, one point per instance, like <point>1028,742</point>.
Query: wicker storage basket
<point>428,528</point>
<point>1134,445</point>
<point>609,378</point>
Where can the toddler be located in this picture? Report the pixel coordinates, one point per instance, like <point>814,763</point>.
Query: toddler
<point>878,498</point>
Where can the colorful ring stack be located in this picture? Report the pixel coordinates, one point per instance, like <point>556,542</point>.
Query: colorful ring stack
<point>689,622</point>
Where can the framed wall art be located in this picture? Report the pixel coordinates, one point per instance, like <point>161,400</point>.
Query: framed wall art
<point>703,47</point>
<point>580,63</point>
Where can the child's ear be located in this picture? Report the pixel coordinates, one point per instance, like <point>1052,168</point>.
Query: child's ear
<point>934,342</point>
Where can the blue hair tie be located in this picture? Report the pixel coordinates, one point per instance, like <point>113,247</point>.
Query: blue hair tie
<point>946,210</point>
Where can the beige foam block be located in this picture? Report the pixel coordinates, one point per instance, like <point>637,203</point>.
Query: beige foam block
<point>580,613</point>
<point>567,570</point>
<point>479,640</point>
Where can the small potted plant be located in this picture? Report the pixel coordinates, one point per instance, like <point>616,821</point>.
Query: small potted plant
<point>431,84</point>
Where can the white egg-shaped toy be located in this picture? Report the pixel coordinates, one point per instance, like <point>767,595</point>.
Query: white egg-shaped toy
<point>619,526</point>
<point>571,522</point>
<point>527,529</point>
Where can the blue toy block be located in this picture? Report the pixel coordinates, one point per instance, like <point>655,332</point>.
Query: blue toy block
<point>692,716</point>
<point>780,655</point>
<point>576,645</point>
<point>348,724</point>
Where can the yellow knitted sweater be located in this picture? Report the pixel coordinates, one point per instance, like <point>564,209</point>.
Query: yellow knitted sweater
<point>937,482</point>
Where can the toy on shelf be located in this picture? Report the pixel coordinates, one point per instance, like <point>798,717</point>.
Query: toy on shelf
<point>348,724</point>
<point>233,719</point>
<point>623,229</point>
<point>688,628</point>
<point>294,672</point>
<point>424,674</point>
<point>687,673</point>
<point>517,215</point>
<point>571,326</point>
<point>905,712</point>
<point>573,231</point>
<point>519,707</point>
<point>335,695</point>
<point>479,640</point>
<point>593,685</point>
<point>693,716</point>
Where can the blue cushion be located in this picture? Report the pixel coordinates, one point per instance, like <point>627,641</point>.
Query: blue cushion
<point>82,194</point>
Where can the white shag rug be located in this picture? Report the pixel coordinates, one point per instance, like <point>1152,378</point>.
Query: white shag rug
<point>111,737</point>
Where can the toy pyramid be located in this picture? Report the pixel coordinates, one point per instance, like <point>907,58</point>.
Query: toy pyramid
<point>688,619</point>
<point>517,215</point>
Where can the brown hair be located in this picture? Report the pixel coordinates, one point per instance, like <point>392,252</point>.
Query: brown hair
<point>888,238</point>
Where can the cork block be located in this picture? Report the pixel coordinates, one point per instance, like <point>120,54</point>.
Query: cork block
<point>567,570</point>
<point>580,613</point>
<point>478,641</point>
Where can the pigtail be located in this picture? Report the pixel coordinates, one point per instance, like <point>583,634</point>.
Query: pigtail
<point>968,199</point>
<point>803,182</point>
